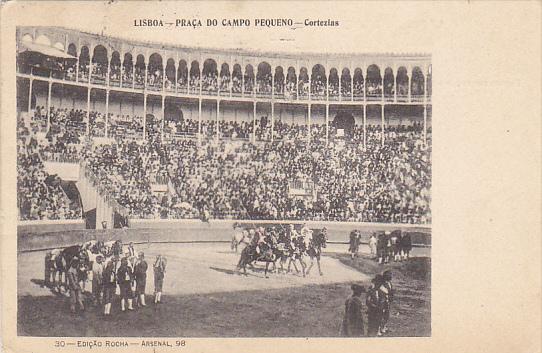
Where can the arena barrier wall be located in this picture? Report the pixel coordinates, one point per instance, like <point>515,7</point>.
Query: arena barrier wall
<point>35,237</point>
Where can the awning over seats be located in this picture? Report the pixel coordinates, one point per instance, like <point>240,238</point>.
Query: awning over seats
<point>45,50</point>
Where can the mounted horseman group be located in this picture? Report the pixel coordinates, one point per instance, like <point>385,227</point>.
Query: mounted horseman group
<point>284,245</point>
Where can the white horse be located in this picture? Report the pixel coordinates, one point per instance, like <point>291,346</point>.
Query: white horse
<point>239,238</point>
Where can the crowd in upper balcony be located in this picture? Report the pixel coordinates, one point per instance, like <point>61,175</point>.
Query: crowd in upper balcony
<point>262,80</point>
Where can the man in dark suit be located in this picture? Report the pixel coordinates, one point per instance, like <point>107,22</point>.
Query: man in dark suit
<point>124,279</point>
<point>353,318</point>
<point>140,274</point>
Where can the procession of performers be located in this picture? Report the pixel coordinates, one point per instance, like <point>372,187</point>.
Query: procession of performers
<point>116,270</point>
<point>110,268</point>
<point>282,245</point>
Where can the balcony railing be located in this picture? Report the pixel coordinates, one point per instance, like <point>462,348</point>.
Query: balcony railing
<point>231,89</point>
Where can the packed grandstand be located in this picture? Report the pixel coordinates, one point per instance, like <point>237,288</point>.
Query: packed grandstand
<point>266,164</point>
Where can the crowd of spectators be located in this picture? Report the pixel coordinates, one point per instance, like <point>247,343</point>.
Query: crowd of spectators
<point>209,83</point>
<point>40,195</point>
<point>233,177</point>
<point>389,183</point>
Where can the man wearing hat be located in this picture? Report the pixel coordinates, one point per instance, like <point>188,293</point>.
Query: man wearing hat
<point>353,319</point>
<point>389,249</point>
<point>159,272</point>
<point>381,247</point>
<point>372,245</point>
<point>124,279</point>
<point>140,274</point>
<point>109,284</point>
<point>386,297</point>
<point>73,285</point>
<point>97,279</point>
<point>374,312</point>
<point>131,251</point>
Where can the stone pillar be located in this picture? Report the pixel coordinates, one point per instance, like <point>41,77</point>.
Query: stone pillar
<point>90,55</point>
<point>30,95</point>
<point>146,72</point>
<point>176,66</point>
<point>425,108</point>
<point>77,65</point>
<point>200,76</point>
<point>309,123</point>
<point>254,122</point>
<point>145,112</point>
<point>106,112</point>
<point>340,82</point>
<point>365,125</point>
<point>382,87</point>
<point>88,111</point>
<point>395,84</point>
<point>163,114</point>
<point>272,120</point>
<point>382,122</point>
<point>199,118</point>
<point>272,89</point>
<point>49,105</point>
<point>217,119</point>
<point>108,70</point>
<point>310,82</point>
<point>352,83</point>
<point>408,86</point>
<point>327,123</point>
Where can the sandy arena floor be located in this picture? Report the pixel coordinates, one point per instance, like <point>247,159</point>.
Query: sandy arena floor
<point>206,297</point>
<point>203,268</point>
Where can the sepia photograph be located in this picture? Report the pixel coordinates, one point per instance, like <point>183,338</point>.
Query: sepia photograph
<point>220,193</point>
<point>196,176</point>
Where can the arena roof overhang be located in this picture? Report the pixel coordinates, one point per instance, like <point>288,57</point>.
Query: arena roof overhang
<point>45,50</point>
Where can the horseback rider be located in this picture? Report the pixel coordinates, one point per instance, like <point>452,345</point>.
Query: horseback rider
<point>292,233</point>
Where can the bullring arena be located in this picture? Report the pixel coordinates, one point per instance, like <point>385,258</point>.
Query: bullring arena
<point>205,295</point>
<point>169,147</point>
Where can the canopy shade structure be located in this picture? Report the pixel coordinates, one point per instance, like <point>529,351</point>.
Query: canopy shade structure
<point>44,50</point>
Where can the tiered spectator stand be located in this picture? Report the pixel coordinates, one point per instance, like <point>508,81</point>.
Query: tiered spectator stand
<point>388,90</point>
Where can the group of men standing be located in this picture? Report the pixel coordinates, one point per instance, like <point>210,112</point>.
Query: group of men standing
<point>384,247</point>
<point>378,299</point>
<point>123,270</point>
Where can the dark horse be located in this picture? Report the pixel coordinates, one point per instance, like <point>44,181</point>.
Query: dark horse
<point>250,254</point>
<point>319,241</point>
<point>63,261</point>
<point>406,246</point>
